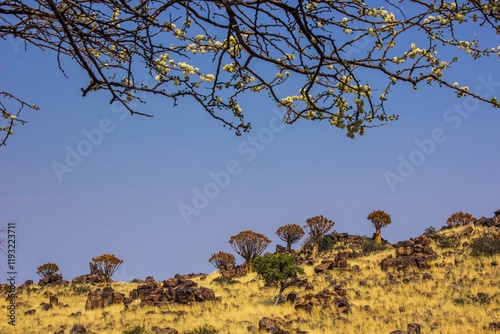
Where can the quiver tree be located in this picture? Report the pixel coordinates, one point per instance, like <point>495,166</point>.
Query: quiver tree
<point>290,234</point>
<point>277,268</point>
<point>317,227</point>
<point>108,264</point>
<point>460,219</point>
<point>47,269</point>
<point>222,260</point>
<point>249,245</point>
<point>379,219</point>
<point>315,59</point>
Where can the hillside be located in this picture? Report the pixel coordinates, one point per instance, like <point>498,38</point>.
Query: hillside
<point>432,281</point>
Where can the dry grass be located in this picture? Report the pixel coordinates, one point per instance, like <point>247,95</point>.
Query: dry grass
<point>391,305</point>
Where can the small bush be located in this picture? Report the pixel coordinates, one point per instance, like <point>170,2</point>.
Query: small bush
<point>137,280</point>
<point>448,242</point>
<point>430,230</point>
<point>326,244</point>
<point>487,245</point>
<point>81,290</point>
<point>371,246</point>
<point>225,280</point>
<point>47,269</point>
<point>137,330</point>
<point>481,298</point>
<point>205,329</point>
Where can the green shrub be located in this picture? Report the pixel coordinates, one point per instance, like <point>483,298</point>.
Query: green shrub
<point>430,230</point>
<point>487,245</point>
<point>481,298</point>
<point>137,330</point>
<point>205,329</point>
<point>371,246</point>
<point>136,280</point>
<point>326,244</point>
<point>81,290</point>
<point>225,280</point>
<point>277,268</point>
<point>448,242</point>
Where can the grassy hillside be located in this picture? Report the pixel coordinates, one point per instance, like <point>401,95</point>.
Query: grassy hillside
<point>460,297</point>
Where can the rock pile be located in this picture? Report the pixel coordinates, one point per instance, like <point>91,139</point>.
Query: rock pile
<point>325,299</point>
<point>54,279</point>
<point>96,276</point>
<point>416,253</point>
<point>339,262</point>
<point>234,271</point>
<point>173,290</point>
<point>101,299</point>
<point>489,222</point>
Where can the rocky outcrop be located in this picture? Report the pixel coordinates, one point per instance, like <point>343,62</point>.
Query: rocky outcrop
<point>326,299</point>
<point>54,279</point>
<point>173,290</point>
<point>234,271</point>
<point>339,262</point>
<point>96,276</point>
<point>489,222</point>
<point>409,253</point>
<point>102,298</point>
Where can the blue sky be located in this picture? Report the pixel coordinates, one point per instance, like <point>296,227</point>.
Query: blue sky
<point>124,196</point>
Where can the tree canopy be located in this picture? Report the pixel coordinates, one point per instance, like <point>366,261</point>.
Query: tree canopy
<point>460,219</point>
<point>47,269</point>
<point>320,60</point>
<point>221,260</point>
<point>249,245</point>
<point>290,233</point>
<point>108,264</point>
<point>379,219</point>
<point>277,268</point>
<point>317,227</point>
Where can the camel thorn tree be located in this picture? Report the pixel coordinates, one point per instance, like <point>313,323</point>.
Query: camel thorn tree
<point>299,54</point>
<point>249,245</point>
<point>379,219</point>
<point>277,268</point>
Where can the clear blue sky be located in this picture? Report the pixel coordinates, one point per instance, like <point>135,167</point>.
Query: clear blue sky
<point>124,196</point>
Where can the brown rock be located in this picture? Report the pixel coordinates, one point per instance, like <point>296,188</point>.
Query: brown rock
<point>104,298</point>
<point>77,328</point>
<point>270,324</point>
<point>413,328</point>
<point>53,300</point>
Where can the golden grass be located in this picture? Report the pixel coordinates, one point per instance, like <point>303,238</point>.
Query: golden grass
<point>391,306</point>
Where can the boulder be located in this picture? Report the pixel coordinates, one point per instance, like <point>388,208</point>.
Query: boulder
<point>270,324</point>
<point>96,276</point>
<point>53,279</point>
<point>413,328</point>
<point>234,271</point>
<point>101,299</point>
<point>77,328</point>
<point>173,290</point>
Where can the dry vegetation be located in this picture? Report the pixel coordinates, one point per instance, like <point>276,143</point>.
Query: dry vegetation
<point>379,304</point>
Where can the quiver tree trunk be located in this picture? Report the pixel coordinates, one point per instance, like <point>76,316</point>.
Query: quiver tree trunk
<point>378,237</point>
